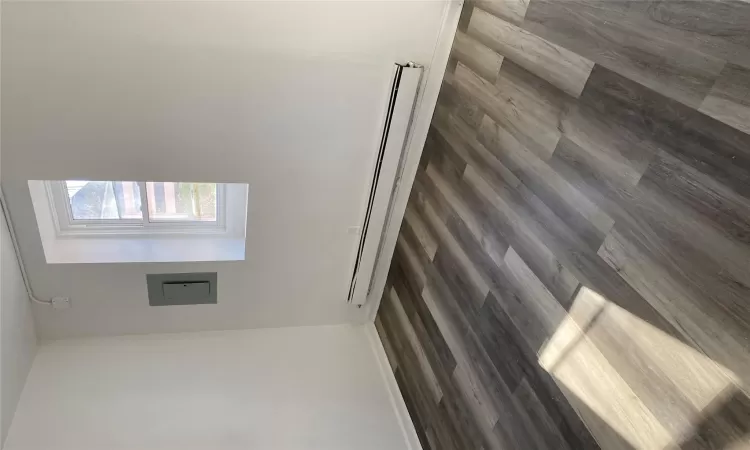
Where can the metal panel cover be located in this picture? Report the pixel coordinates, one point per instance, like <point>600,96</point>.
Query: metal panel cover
<point>181,288</point>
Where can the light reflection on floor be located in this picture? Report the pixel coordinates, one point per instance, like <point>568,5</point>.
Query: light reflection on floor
<point>635,386</point>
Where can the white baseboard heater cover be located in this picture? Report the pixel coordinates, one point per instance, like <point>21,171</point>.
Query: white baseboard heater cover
<point>385,177</point>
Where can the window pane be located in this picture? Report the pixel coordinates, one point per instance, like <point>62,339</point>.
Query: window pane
<point>104,200</point>
<point>181,201</point>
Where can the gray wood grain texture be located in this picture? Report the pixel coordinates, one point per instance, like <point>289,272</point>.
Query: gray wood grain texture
<point>573,270</point>
<point>589,29</point>
<point>512,11</point>
<point>729,99</point>
<point>561,67</point>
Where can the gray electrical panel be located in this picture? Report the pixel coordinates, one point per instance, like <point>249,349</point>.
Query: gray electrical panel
<point>166,289</point>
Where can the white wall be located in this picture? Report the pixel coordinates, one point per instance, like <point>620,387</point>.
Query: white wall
<point>286,96</point>
<point>17,337</point>
<point>283,389</point>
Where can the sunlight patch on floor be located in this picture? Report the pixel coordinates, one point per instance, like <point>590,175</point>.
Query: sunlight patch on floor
<point>633,385</point>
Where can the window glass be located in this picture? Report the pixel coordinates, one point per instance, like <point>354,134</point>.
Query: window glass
<point>104,200</point>
<point>181,201</point>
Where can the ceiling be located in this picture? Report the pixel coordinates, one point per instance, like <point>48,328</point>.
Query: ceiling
<point>285,96</point>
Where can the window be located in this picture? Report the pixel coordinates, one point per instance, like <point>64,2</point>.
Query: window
<point>83,221</point>
<point>84,207</point>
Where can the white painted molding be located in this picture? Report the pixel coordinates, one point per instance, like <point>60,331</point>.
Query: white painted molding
<point>397,400</point>
<point>421,125</point>
<point>396,132</point>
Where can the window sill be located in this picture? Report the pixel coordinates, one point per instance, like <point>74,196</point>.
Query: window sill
<point>137,250</point>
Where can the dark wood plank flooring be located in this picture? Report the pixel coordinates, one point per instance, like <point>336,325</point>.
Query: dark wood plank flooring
<point>573,269</point>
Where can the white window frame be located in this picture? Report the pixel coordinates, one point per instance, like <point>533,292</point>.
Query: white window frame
<point>230,222</point>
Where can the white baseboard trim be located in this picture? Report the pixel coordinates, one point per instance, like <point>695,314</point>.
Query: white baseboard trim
<point>426,101</point>
<point>397,400</point>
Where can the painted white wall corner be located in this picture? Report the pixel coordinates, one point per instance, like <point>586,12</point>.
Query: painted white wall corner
<point>17,334</point>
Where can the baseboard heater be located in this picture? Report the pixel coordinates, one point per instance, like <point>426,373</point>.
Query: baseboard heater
<point>385,176</point>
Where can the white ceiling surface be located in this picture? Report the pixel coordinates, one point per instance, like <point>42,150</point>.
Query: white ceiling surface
<point>286,96</point>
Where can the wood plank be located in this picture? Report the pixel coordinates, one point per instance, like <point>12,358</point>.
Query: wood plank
<point>585,265</point>
<point>531,307</point>
<point>410,261</point>
<point>465,17</point>
<point>652,223</point>
<point>504,344</point>
<point>478,57</point>
<point>675,381</point>
<point>561,67</point>
<point>469,276</point>
<point>729,99</point>
<point>544,425</point>
<point>712,147</point>
<point>697,248</point>
<point>474,393</point>
<point>458,415</point>
<point>588,378</point>
<point>437,429</point>
<point>724,425</point>
<point>518,232</point>
<point>411,336</point>
<point>458,104</point>
<point>421,232</point>
<point>705,326</point>
<point>713,27</point>
<point>421,428</point>
<point>475,374</point>
<point>523,235</point>
<point>717,219</point>
<point>681,237</point>
<point>389,352</point>
<point>582,215</point>
<point>462,140</point>
<point>615,151</point>
<point>532,125</point>
<point>512,11</point>
<point>538,99</point>
<point>517,363</point>
<point>716,27</point>
<point>452,412</point>
<point>489,243</point>
<point>424,325</point>
<point>672,69</point>
<point>419,398</point>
